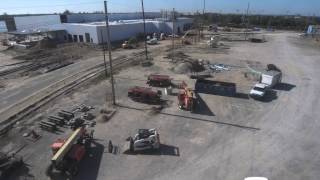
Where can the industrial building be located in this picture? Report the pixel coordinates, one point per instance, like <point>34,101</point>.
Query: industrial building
<point>91,28</point>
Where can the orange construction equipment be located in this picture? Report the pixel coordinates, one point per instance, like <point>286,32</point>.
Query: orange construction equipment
<point>186,99</point>
<point>67,153</point>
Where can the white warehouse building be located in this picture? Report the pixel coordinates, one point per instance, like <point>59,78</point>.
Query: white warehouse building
<point>91,28</point>
<point>120,30</point>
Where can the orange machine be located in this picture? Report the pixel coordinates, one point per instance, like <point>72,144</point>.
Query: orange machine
<point>186,99</point>
<point>67,153</point>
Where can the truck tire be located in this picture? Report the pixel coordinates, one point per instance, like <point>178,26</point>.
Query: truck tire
<point>131,148</point>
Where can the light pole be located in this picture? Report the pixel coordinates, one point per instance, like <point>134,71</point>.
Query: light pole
<point>109,49</point>
<point>144,31</point>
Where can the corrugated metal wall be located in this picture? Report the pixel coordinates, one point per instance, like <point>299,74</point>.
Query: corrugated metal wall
<point>34,22</point>
<point>81,18</point>
<point>125,31</point>
<point>78,29</point>
<point>3,26</point>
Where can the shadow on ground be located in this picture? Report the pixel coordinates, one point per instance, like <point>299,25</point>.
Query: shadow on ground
<point>165,150</point>
<point>22,172</point>
<point>269,96</point>
<point>201,107</point>
<point>241,95</point>
<point>89,167</point>
<point>284,87</point>
<point>194,118</point>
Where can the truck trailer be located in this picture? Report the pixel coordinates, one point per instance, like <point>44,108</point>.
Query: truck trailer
<point>271,78</point>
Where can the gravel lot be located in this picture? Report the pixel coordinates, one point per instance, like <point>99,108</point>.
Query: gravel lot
<point>229,138</point>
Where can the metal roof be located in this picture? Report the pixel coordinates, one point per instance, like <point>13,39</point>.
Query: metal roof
<point>30,32</point>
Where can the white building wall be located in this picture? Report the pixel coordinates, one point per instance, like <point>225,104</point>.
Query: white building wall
<point>80,29</point>
<point>3,26</point>
<point>36,22</point>
<point>120,31</point>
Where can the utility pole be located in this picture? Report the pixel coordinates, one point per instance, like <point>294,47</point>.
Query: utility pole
<point>247,24</point>
<point>144,30</point>
<point>109,49</point>
<point>173,16</point>
<point>104,55</point>
<point>204,7</point>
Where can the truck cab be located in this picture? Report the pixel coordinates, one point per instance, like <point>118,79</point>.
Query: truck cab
<point>259,90</point>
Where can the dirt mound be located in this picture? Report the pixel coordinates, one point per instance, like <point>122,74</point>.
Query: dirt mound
<point>46,43</point>
<point>63,52</point>
<point>177,56</point>
<point>183,68</point>
<point>185,63</point>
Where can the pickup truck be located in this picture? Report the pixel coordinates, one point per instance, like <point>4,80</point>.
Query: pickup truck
<point>267,81</point>
<point>259,90</point>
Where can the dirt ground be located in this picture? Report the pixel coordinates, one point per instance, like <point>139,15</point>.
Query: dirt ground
<point>225,138</point>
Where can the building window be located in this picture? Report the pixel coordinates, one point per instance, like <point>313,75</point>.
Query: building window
<point>65,37</point>
<point>81,38</point>
<point>75,38</point>
<point>69,37</point>
<point>87,35</point>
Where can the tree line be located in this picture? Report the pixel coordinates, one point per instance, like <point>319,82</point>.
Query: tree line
<point>285,22</point>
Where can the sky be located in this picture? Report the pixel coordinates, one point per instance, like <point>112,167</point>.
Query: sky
<point>304,7</point>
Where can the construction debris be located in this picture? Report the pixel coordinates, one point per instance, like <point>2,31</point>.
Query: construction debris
<point>79,117</point>
<point>214,41</point>
<point>9,163</point>
<point>106,115</point>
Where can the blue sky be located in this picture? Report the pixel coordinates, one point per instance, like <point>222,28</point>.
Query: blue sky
<point>305,7</point>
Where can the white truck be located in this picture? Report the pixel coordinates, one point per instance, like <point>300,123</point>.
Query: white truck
<point>268,80</point>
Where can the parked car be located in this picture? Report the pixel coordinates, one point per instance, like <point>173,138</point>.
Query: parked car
<point>219,67</point>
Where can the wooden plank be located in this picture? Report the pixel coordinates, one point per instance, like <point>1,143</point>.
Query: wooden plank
<point>66,146</point>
